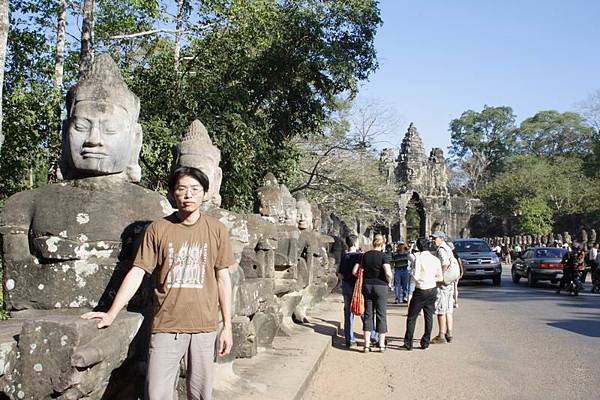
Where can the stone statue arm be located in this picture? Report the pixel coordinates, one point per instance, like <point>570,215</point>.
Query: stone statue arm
<point>130,285</point>
<point>224,291</point>
<point>15,222</point>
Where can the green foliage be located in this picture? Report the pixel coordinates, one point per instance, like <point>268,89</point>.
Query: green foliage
<point>30,110</point>
<point>550,133</point>
<point>560,183</point>
<point>257,73</point>
<point>535,216</point>
<point>481,142</point>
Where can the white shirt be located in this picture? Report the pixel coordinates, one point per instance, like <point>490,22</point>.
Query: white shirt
<point>593,253</point>
<point>427,270</point>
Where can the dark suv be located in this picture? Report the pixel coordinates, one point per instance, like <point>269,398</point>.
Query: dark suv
<point>479,261</point>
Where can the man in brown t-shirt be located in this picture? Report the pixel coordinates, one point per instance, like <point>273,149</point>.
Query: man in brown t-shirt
<point>189,253</point>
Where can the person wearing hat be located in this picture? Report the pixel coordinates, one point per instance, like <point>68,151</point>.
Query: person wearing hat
<point>444,304</point>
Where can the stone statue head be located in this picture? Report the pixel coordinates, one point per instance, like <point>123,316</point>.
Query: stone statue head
<point>316,212</point>
<point>270,199</point>
<point>305,215</point>
<point>197,150</point>
<point>290,213</point>
<point>101,135</point>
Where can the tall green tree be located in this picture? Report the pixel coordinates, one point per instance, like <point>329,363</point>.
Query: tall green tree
<point>481,142</point>
<point>528,181</point>
<point>256,73</point>
<point>551,133</point>
<point>3,38</point>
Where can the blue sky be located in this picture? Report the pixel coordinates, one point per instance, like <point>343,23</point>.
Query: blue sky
<point>439,58</point>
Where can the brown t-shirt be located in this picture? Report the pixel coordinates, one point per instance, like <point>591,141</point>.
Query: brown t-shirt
<point>186,259</point>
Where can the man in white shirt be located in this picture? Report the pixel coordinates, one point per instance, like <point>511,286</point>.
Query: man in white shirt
<point>426,272</point>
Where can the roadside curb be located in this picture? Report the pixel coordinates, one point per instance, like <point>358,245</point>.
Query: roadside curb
<point>286,370</point>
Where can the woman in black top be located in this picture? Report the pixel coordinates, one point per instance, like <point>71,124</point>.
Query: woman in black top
<point>377,276</point>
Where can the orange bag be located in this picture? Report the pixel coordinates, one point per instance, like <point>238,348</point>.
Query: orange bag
<point>357,307</point>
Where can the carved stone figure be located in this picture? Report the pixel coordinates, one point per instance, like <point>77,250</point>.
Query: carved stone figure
<point>270,199</point>
<point>64,243</point>
<point>197,150</point>
<point>305,214</point>
<point>68,245</point>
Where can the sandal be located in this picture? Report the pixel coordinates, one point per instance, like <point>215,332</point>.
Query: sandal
<point>366,349</point>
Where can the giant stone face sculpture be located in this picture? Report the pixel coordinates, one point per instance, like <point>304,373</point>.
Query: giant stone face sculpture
<point>70,244</point>
<point>101,135</point>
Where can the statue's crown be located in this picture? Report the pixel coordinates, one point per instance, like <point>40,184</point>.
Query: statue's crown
<point>197,142</point>
<point>104,83</point>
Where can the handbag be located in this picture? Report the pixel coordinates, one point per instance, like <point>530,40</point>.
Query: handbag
<point>357,306</point>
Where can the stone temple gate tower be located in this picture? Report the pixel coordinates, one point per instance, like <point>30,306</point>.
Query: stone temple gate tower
<point>423,184</point>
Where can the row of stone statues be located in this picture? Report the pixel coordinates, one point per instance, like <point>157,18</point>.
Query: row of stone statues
<point>67,246</point>
<point>583,238</point>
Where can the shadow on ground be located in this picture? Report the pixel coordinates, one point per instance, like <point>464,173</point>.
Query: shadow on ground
<point>586,327</point>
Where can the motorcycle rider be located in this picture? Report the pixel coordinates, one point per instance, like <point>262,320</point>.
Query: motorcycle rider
<point>573,262</point>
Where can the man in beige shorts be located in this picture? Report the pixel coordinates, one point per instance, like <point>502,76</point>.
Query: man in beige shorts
<point>444,303</point>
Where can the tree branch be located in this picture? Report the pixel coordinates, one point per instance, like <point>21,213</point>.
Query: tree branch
<point>313,173</point>
<point>162,30</point>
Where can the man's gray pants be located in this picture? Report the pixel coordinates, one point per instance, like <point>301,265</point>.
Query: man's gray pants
<point>165,354</point>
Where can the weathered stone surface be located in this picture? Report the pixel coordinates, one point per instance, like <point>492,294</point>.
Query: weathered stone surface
<point>63,354</point>
<point>244,339</point>
<point>75,252</point>
<point>423,181</point>
<point>253,294</point>
<point>64,243</point>
<point>266,325</point>
<point>197,150</point>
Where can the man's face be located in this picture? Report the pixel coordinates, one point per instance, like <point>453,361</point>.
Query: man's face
<point>100,137</point>
<point>189,194</point>
<point>437,241</point>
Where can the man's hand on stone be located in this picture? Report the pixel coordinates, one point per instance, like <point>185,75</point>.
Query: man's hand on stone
<point>106,319</point>
<point>225,341</point>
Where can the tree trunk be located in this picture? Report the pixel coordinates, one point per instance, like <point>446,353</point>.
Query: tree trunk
<point>86,53</point>
<point>3,37</point>
<point>178,29</point>
<point>59,58</point>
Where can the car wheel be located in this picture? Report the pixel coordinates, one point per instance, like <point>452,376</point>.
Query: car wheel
<point>497,280</point>
<point>515,277</point>
<point>531,281</point>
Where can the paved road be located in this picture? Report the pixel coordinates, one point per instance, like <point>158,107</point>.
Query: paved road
<point>511,342</point>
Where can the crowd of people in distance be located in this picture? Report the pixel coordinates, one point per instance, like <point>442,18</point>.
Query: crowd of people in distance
<point>417,272</point>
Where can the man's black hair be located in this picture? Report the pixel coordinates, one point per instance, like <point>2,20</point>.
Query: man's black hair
<point>351,240</point>
<point>423,244</point>
<point>195,173</point>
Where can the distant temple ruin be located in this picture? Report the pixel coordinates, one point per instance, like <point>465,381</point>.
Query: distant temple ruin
<point>424,202</point>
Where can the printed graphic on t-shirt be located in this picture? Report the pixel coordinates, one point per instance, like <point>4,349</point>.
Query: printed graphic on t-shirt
<point>187,266</point>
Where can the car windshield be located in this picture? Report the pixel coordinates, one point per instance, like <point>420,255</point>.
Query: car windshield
<point>471,246</point>
<point>550,253</point>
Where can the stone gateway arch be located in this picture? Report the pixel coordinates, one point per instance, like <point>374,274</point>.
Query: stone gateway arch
<point>424,202</point>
